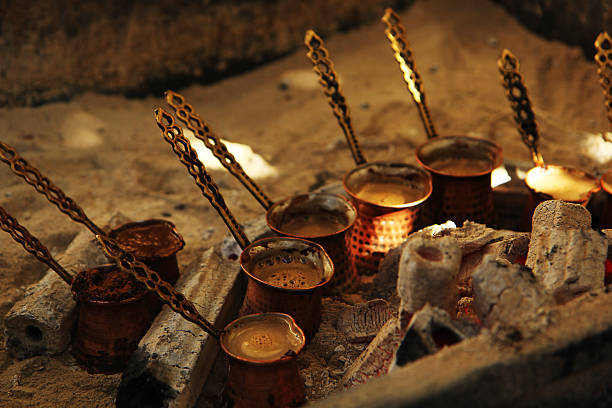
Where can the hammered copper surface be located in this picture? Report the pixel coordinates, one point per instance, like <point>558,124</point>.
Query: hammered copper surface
<point>108,332</point>
<point>273,383</point>
<point>162,261</point>
<point>316,205</point>
<point>460,196</point>
<point>378,228</point>
<point>302,302</point>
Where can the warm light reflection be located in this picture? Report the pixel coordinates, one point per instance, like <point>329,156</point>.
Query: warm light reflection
<point>596,147</point>
<point>499,176</point>
<point>252,163</point>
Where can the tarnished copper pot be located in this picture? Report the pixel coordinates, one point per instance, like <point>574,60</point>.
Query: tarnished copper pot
<point>287,275</point>
<point>461,168</point>
<point>324,219</point>
<point>108,330</point>
<point>262,349</point>
<point>154,243</point>
<point>388,197</point>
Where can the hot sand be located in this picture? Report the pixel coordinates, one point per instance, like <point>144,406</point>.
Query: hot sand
<point>107,153</point>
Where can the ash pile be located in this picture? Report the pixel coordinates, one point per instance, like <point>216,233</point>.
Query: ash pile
<point>454,283</point>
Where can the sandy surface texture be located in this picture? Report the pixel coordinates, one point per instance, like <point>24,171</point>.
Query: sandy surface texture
<point>107,153</point>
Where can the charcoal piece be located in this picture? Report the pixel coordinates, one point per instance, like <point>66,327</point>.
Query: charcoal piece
<point>430,330</point>
<point>363,321</point>
<point>376,358</point>
<point>566,255</point>
<point>507,293</point>
<point>428,273</point>
<point>41,322</point>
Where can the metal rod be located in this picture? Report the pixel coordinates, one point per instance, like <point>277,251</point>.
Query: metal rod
<point>202,130</point>
<point>170,296</point>
<point>405,57</point>
<point>603,58</point>
<point>43,185</point>
<point>328,78</point>
<point>516,91</point>
<point>31,244</point>
<point>173,134</point>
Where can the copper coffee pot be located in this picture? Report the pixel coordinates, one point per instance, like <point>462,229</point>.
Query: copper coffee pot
<point>317,217</point>
<point>388,196</point>
<point>460,166</point>
<point>285,274</point>
<point>544,181</point>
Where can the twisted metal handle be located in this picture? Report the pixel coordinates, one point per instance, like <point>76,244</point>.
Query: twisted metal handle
<point>155,283</point>
<point>43,185</point>
<point>173,134</point>
<point>328,78</point>
<point>404,55</point>
<point>516,91</point>
<point>603,58</point>
<point>31,244</point>
<point>202,130</point>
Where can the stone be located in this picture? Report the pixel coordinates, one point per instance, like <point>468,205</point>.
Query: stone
<point>44,47</point>
<point>174,357</point>
<point>429,330</point>
<point>428,273</point>
<point>507,293</point>
<point>41,322</point>
<point>361,322</point>
<point>566,255</point>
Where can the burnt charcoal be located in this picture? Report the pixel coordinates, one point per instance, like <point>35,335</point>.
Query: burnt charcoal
<point>430,330</point>
<point>428,272</point>
<point>507,293</point>
<point>363,321</point>
<point>567,257</point>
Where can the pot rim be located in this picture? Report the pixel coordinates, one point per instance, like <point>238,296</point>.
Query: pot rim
<point>131,299</point>
<point>290,290</point>
<point>353,196</point>
<point>497,149</point>
<point>598,183</point>
<point>335,196</point>
<point>283,359</point>
<point>145,223</point>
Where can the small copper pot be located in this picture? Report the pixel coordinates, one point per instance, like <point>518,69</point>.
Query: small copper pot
<point>461,168</point>
<point>388,197</point>
<point>550,174</point>
<point>262,350</point>
<point>321,218</point>
<point>287,275</point>
<point>154,243</point>
<point>108,331</point>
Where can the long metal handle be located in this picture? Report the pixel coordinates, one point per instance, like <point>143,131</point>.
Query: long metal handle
<point>405,57</point>
<point>324,67</point>
<point>31,244</point>
<point>516,91</point>
<point>202,130</point>
<point>173,134</point>
<point>603,44</point>
<point>43,185</point>
<point>155,283</point>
